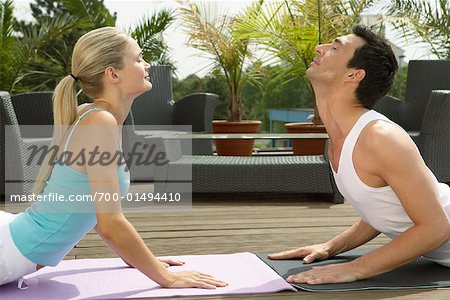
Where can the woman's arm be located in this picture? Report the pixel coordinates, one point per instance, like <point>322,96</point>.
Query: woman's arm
<point>121,236</point>
<point>166,262</point>
<point>112,225</point>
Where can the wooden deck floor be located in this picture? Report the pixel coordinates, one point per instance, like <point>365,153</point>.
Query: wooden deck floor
<point>254,224</point>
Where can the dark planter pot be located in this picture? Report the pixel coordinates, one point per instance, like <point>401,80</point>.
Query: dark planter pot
<point>307,146</point>
<point>235,147</point>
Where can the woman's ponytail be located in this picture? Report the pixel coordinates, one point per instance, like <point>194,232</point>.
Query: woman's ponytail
<point>64,113</point>
<point>64,106</point>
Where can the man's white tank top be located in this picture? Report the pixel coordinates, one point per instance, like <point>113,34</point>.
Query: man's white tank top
<point>380,207</point>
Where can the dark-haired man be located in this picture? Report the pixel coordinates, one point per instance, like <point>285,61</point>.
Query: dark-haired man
<point>377,167</point>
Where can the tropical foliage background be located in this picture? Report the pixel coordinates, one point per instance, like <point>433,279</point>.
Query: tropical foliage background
<point>35,55</point>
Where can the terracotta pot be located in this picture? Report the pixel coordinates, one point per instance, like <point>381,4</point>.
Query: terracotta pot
<point>235,147</point>
<point>307,146</point>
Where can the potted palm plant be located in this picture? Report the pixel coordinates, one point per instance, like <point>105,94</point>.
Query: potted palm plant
<point>290,30</point>
<point>230,55</point>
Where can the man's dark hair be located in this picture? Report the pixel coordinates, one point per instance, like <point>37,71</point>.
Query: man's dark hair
<point>378,60</point>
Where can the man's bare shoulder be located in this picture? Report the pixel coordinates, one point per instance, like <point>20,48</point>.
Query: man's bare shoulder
<point>387,142</point>
<point>382,134</point>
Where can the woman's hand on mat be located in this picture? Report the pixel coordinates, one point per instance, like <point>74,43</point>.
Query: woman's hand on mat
<point>336,273</point>
<point>167,262</point>
<point>195,279</point>
<point>309,253</point>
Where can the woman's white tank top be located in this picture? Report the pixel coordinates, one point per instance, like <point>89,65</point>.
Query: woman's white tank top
<point>380,207</point>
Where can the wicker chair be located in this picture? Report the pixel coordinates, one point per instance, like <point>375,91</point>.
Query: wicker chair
<point>275,175</point>
<point>35,108</point>
<point>17,173</point>
<point>434,137</point>
<point>423,77</point>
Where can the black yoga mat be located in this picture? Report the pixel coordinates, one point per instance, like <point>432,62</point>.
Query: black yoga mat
<point>420,273</point>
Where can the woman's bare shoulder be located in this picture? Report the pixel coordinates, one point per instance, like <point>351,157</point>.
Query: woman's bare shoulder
<point>96,117</point>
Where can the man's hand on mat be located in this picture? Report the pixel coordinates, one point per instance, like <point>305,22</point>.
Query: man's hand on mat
<point>195,279</point>
<point>308,253</point>
<point>167,262</point>
<point>336,273</point>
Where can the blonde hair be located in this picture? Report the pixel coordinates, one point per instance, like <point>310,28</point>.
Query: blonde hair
<point>93,53</point>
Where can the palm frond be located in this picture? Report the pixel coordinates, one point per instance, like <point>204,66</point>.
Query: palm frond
<point>93,12</point>
<point>35,38</point>
<point>423,20</point>
<point>48,68</point>
<point>7,45</point>
<point>211,35</point>
<point>6,21</point>
<point>279,30</point>
<point>149,35</point>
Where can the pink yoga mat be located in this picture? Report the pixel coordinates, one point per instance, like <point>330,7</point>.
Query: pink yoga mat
<point>110,278</point>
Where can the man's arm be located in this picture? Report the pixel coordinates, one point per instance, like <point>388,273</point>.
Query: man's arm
<point>396,160</point>
<point>358,234</point>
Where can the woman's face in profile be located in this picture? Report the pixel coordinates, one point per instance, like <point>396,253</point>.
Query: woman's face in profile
<point>134,77</point>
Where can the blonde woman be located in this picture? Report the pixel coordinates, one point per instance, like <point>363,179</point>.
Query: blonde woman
<point>109,66</point>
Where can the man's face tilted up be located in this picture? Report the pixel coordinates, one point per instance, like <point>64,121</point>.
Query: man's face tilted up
<point>330,64</point>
